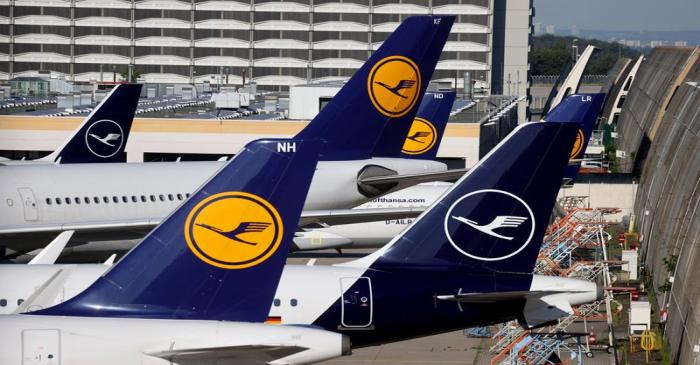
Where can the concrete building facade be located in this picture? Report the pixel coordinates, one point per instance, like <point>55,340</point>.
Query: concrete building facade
<point>277,43</point>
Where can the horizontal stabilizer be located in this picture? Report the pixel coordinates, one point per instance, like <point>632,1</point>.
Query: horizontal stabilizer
<point>542,310</point>
<point>319,240</point>
<point>413,179</point>
<point>498,296</point>
<point>246,354</point>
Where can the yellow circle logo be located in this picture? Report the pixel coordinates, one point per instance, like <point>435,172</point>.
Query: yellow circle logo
<point>578,144</point>
<point>421,137</point>
<point>233,230</point>
<point>393,85</point>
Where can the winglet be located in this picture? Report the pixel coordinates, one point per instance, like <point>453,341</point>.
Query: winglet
<point>382,97</point>
<point>50,253</point>
<point>110,260</point>
<point>184,270</point>
<point>508,195</point>
<point>581,109</point>
<point>103,134</point>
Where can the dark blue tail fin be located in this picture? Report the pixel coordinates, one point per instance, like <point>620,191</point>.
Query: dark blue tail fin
<point>382,97</point>
<point>424,137</point>
<point>494,218</point>
<point>582,109</point>
<point>103,134</point>
<point>220,255</point>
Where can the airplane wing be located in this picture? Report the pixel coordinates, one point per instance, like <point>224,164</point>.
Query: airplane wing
<point>412,179</point>
<point>50,253</point>
<point>243,355</point>
<point>45,295</point>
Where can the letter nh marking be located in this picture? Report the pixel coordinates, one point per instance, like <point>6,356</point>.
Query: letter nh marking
<point>286,147</point>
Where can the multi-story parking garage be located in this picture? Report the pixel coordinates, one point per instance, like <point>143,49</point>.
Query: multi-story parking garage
<point>275,43</point>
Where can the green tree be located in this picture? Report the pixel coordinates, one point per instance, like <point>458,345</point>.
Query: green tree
<point>134,75</point>
<point>550,54</point>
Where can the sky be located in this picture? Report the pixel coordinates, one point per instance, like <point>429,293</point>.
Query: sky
<point>655,15</point>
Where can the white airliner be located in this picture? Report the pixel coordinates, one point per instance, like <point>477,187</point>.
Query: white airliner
<point>62,336</point>
<point>123,201</point>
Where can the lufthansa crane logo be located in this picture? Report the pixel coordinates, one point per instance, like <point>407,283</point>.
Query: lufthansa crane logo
<point>578,144</point>
<point>104,138</point>
<point>489,225</point>
<point>421,137</point>
<point>393,85</point>
<point>233,230</point>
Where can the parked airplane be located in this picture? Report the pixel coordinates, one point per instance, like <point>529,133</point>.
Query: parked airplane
<point>102,135</point>
<point>438,275</point>
<point>361,125</point>
<point>196,276</point>
<point>582,109</point>
<point>423,141</point>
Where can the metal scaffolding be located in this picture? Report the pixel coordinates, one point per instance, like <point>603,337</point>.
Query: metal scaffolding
<point>581,229</point>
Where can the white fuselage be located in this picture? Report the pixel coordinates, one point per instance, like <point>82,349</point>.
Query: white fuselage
<point>372,234</point>
<point>53,340</point>
<point>304,292</point>
<point>51,198</point>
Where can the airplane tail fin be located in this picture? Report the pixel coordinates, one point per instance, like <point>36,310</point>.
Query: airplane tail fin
<point>103,134</point>
<point>583,110</point>
<point>494,218</point>
<point>425,135</point>
<point>220,254</point>
<point>381,99</point>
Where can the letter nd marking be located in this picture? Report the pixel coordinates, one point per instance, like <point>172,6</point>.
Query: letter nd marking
<point>286,147</point>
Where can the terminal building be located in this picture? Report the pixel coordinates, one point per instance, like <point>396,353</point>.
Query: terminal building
<point>274,43</point>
